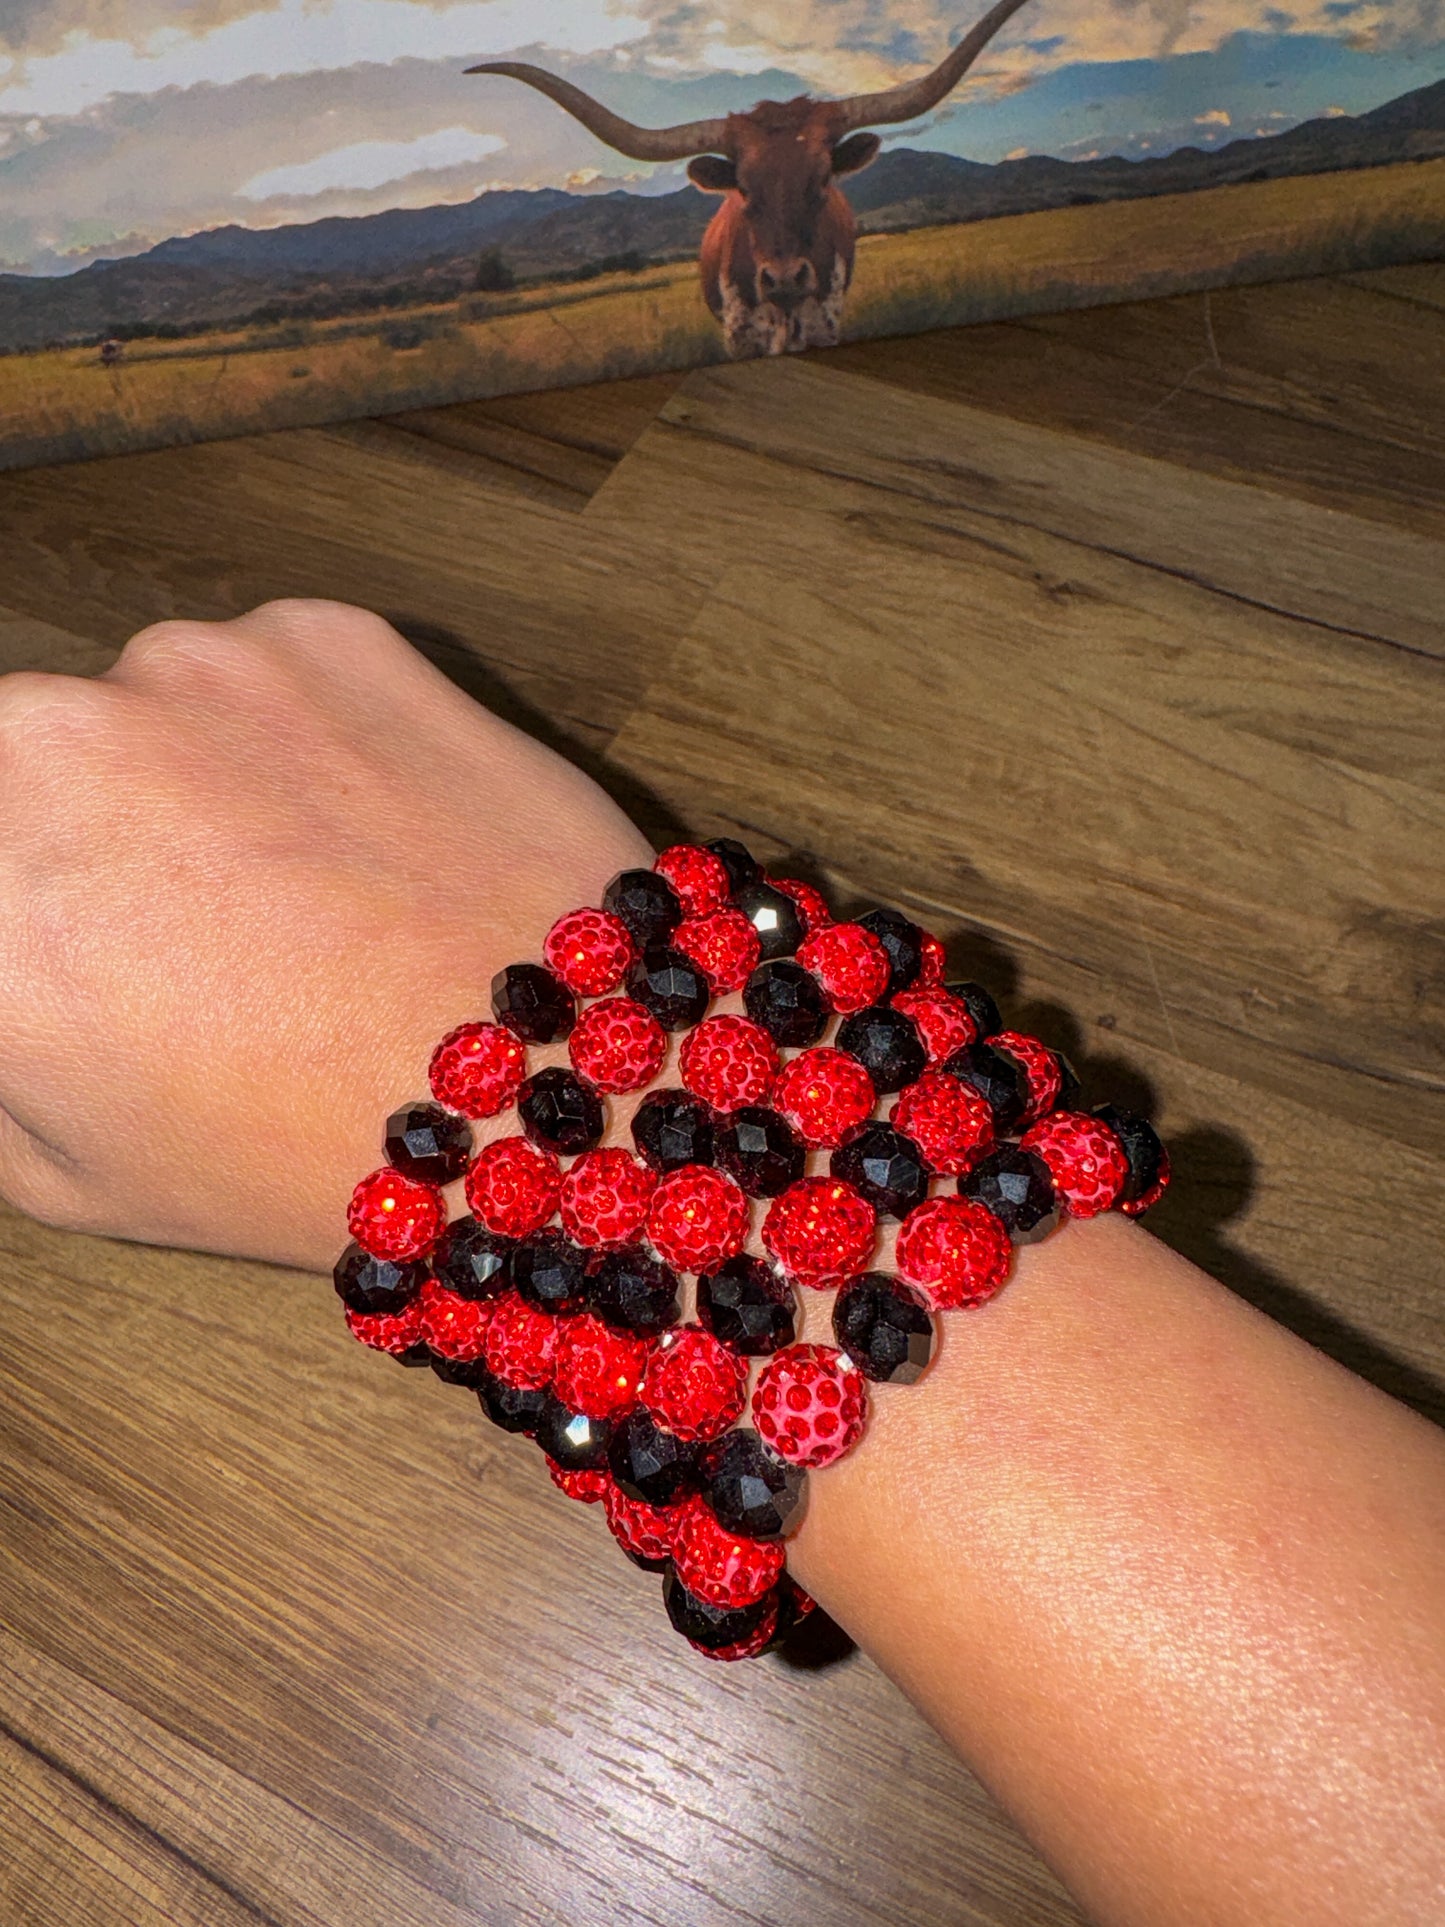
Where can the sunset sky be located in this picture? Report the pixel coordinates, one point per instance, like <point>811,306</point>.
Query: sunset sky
<point>125,121</point>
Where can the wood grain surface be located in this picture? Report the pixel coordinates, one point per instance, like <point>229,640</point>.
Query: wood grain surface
<point>1111,644</point>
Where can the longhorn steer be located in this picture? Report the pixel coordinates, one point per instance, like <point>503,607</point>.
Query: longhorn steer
<point>777,258</point>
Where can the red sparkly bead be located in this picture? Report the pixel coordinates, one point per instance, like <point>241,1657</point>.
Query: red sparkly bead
<point>589,950</point>
<point>644,1530</point>
<point>756,1642</point>
<point>477,1069</point>
<point>699,877</point>
<point>810,1405</point>
<point>697,1219</point>
<point>812,904</point>
<point>947,1119</point>
<point>519,1343</point>
<point>849,962</point>
<point>826,1094</point>
<point>595,1369</point>
<point>723,1568</point>
<point>388,1331</point>
<point>723,944</point>
<point>1084,1157</point>
<point>728,1062</point>
<point>955,1250</point>
<point>513,1186</point>
<point>694,1386</point>
<point>934,966</point>
<point>1156,1190</point>
<point>943,1022</point>
<point>802,1602</point>
<point>588,1486</point>
<point>605,1196</point>
<point>617,1045</point>
<point>395,1217</point>
<point>453,1326</point>
<point>1041,1071</point>
<point>821,1231</point>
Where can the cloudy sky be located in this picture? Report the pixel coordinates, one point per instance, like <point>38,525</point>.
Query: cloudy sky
<point>125,121</point>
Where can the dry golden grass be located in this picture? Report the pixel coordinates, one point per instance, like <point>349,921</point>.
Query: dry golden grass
<point>64,404</point>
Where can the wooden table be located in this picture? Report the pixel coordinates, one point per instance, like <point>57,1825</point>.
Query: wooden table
<point>1108,644</point>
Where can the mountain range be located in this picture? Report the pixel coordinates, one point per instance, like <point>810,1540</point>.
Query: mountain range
<point>231,273</point>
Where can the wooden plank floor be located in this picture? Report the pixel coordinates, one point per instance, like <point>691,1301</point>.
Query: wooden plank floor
<point>1112,643</point>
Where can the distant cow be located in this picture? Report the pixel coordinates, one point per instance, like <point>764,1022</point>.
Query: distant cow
<point>111,352</point>
<point>777,257</point>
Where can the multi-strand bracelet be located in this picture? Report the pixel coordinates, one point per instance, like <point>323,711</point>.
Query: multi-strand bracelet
<point>558,1295</point>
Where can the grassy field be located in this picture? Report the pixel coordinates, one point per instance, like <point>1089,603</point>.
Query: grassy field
<point>62,405</point>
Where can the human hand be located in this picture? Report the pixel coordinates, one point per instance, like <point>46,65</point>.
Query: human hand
<point>248,878</point>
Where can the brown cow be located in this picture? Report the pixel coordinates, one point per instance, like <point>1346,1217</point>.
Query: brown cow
<point>777,257</point>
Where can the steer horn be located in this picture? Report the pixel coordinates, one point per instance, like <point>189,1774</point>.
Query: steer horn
<point>917,97</point>
<point>637,143</point>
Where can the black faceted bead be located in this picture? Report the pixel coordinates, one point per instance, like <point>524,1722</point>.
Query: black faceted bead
<point>671,986</point>
<point>1142,1148</point>
<point>787,1001</point>
<point>885,1327</point>
<point>997,1076</point>
<point>532,1003</point>
<point>980,1007</point>
<point>427,1143</point>
<point>774,915</point>
<point>513,1407</point>
<point>1018,1187</point>
<point>886,1043</point>
<point>370,1285</point>
<point>748,1489</point>
<point>628,1288</point>
<point>747,1307</point>
<point>902,939</point>
<point>739,862</point>
<point>759,1150</point>
<point>1070,1088</point>
<point>549,1271</point>
<point>886,1166</point>
<point>413,1357</point>
<point>646,903</point>
<point>711,1626</point>
<point>571,1439</point>
<point>648,1463</point>
<point>560,1112</point>
<point>472,1261</point>
<point>673,1128</point>
<point>460,1371</point>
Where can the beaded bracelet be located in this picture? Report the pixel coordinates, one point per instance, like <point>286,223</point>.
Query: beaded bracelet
<point>558,1295</point>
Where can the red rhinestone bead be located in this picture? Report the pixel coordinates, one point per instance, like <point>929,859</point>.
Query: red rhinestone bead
<point>812,904</point>
<point>395,1217</point>
<point>513,1186</point>
<point>850,963</point>
<point>825,1094</point>
<point>453,1326</point>
<point>605,1196</point>
<point>955,1250</point>
<point>589,950</point>
<point>519,1343</point>
<point>596,1370</point>
<point>477,1069</point>
<point>1156,1191</point>
<point>699,878</point>
<point>387,1331</point>
<point>587,1485</point>
<point>1041,1070</point>
<point>810,1405</point>
<point>943,1022</point>
<point>821,1231</point>
<point>724,946</point>
<point>698,1218</point>
<point>756,1642</point>
<point>693,1385</point>
<point>803,1602</point>
<point>1085,1158</point>
<point>728,1062</point>
<point>721,1567</point>
<point>934,967</point>
<point>644,1530</point>
<point>946,1118</point>
<point>617,1045</point>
